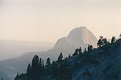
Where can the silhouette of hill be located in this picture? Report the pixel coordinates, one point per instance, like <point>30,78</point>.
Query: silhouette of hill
<point>80,36</point>
<point>101,63</point>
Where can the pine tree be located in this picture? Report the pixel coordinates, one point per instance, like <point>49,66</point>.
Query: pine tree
<point>28,72</point>
<point>35,67</point>
<point>40,62</point>
<point>35,61</point>
<point>85,50</point>
<point>48,61</point>
<point>105,41</point>
<point>69,56</point>
<point>113,39</point>
<point>100,42</point>
<point>60,57</point>
<point>40,65</point>
<point>76,52</point>
<point>90,47</point>
<point>43,65</point>
<point>80,50</point>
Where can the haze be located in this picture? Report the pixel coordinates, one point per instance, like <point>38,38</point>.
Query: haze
<point>49,20</point>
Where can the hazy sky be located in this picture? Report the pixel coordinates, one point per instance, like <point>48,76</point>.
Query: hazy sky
<point>49,20</point>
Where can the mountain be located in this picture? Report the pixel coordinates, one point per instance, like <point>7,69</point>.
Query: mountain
<point>101,63</point>
<point>3,75</point>
<point>77,37</point>
<point>11,48</point>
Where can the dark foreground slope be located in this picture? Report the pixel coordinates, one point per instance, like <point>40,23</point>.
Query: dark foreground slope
<point>103,63</point>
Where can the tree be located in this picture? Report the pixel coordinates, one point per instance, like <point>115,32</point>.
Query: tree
<point>105,41</point>
<point>80,50</point>
<point>40,63</point>
<point>35,61</point>
<point>90,47</point>
<point>48,61</point>
<point>60,57</point>
<point>85,50</point>
<point>28,70</point>
<point>69,56</point>
<point>76,52</point>
<point>100,42</point>
<point>53,62</point>
<point>35,73</point>
<point>43,65</point>
<point>113,39</point>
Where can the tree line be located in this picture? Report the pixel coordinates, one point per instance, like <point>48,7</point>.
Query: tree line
<point>61,69</point>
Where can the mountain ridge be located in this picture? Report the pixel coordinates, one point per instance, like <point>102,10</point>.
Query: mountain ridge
<point>101,63</point>
<point>66,46</point>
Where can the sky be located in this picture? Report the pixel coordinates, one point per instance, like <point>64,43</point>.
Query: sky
<point>49,20</point>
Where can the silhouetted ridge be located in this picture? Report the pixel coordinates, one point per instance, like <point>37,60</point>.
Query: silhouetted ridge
<point>66,45</point>
<point>101,63</point>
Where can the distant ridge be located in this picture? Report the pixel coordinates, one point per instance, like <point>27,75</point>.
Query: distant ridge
<point>80,36</point>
